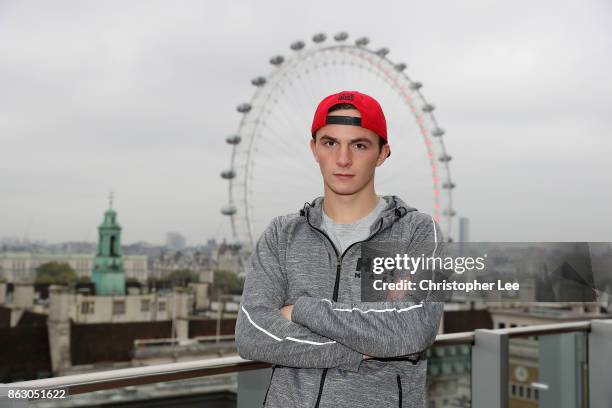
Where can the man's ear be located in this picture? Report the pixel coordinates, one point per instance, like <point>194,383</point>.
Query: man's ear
<point>382,156</point>
<point>313,148</point>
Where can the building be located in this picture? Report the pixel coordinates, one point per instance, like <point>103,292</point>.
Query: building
<point>169,261</point>
<point>526,354</point>
<point>75,332</point>
<point>228,258</point>
<point>21,266</point>
<point>175,241</point>
<point>108,274</point>
<point>108,322</point>
<point>464,229</point>
<point>449,367</point>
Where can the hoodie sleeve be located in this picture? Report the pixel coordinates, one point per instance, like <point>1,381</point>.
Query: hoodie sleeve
<point>263,334</point>
<point>379,329</point>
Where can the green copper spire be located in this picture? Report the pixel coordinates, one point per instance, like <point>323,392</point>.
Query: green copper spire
<point>108,272</point>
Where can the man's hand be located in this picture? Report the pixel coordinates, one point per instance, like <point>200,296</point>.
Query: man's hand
<point>286,311</point>
<point>397,294</point>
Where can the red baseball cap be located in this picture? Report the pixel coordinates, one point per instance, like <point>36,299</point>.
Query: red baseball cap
<point>372,116</point>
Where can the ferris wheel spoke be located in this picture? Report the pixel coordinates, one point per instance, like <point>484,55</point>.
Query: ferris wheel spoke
<point>284,164</point>
<point>288,184</point>
<point>292,144</point>
<point>362,69</point>
<point>289,133</point>
<point>305,95</point>
<point>293,120</point>
<point>299,97</point>
<point>270,139</point>
<point>274,125</point>
<point>274,160</point>
<point>278,200</point>
<point>282,118</point>
<point>274,172</point>
<point>281,96</point>
<point>355,71</point>
<point>401,175</point>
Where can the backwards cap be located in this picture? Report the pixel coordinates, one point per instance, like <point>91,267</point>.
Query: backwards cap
<point>372,116</point>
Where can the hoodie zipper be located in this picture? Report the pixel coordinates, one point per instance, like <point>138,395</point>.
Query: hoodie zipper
<point>335,296</point>
<point>399,390</point>
<point>268,390</point>
<point>337,284</point>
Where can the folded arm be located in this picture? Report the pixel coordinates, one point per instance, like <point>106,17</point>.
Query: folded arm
<point>379,329</point>
<point>263,334</point>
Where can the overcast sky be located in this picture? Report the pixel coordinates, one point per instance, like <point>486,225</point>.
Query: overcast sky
<point>137,97</point>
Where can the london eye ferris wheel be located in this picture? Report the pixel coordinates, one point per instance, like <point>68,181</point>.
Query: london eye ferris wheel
<point>272,171</point>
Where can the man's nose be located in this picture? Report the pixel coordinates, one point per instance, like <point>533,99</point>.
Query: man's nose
<point>344,156</point>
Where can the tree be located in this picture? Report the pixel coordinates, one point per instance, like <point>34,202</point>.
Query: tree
<point>59,273</point>
<point>182,277</point>
<point>225,282</point>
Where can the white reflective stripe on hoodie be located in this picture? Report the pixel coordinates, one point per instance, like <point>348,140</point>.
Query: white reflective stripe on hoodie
<point>373,310</point>
<point>314,343</point>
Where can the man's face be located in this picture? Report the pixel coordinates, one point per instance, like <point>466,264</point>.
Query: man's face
<point>347,155</point>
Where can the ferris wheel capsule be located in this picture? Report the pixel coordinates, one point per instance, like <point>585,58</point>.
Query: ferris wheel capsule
<point>449,212</point>
<point>341,36</point>
<point>319,38</point>
<point>428,107</point>
<point>235,246</point>
<point>228,174</point>
<point>400,67</point>
<point>415,86</point>
<point>233,139</point>
<point>277,60</point>
<point>229,210</point>
<point>243,107</point>
<point>258,81</point>
<point>445,158</point>
<point>362,41</point>
<point>448,185</point>
<point>297,45</point>
<point>382,52</point>
<point>438,132</point>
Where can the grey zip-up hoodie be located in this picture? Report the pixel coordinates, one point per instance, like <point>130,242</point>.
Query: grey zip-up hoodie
<point>318,356</point>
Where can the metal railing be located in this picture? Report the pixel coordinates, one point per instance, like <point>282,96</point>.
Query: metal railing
<point>104,380</point>
<point>489,356</point>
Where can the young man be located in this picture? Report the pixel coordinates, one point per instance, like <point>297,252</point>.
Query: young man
<point>301,306</point>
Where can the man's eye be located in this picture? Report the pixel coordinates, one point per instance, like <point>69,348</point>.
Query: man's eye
<point>328,142</point>
<point>361,146</point>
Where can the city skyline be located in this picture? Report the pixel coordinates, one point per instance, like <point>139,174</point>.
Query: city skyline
<point>122,98</point>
